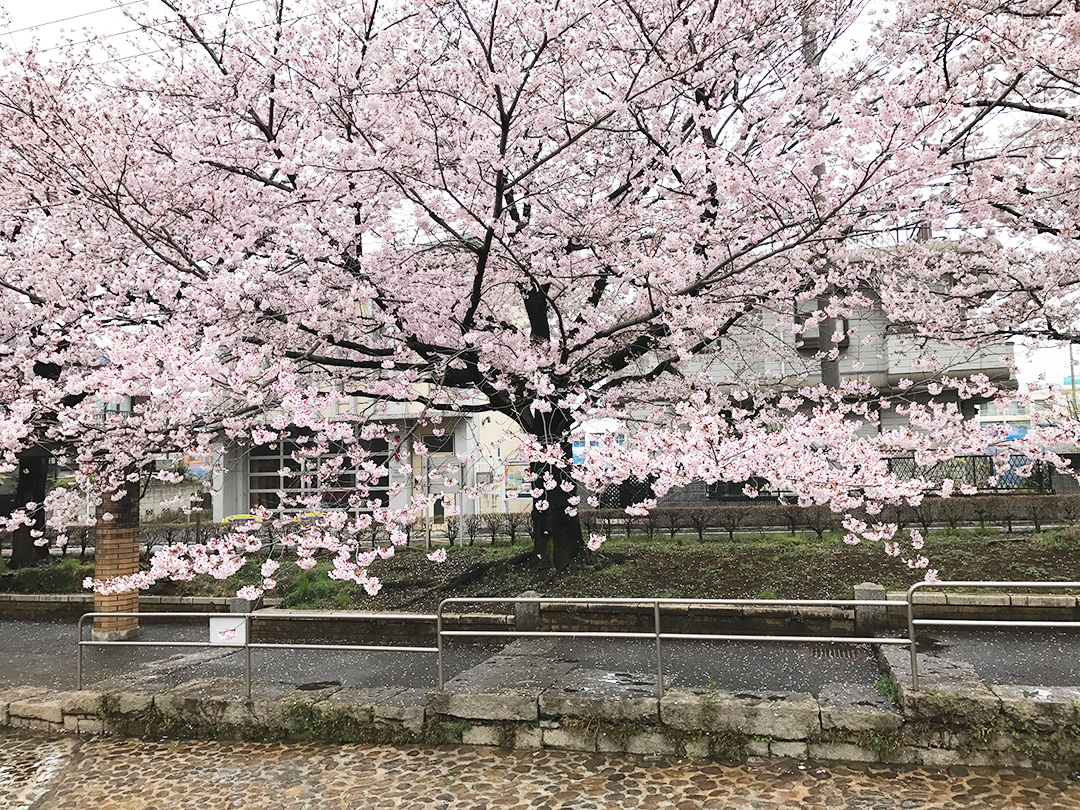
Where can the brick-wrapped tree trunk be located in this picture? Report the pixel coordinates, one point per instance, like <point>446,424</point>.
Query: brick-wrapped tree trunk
<point>117,554</point>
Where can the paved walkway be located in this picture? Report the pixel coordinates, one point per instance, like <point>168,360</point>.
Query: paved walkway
<point>121,774</point>
<point>40,653</point>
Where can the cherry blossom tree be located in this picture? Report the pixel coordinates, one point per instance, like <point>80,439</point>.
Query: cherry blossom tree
<point>559,212</point>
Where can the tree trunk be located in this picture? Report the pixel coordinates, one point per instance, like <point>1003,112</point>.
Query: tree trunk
<point>32,487</point>
<point>556,535</point>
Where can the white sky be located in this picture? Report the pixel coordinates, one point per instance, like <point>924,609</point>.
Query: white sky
<point>50,21</point>
<point>101,16</point>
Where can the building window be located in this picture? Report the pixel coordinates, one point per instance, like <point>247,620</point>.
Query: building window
<point>281,467</point>
<point>439,444</point>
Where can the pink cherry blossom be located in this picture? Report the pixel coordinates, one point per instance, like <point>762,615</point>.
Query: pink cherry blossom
<point>750,261</point>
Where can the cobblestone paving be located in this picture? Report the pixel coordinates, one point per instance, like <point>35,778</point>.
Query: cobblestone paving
<point>106,774</point>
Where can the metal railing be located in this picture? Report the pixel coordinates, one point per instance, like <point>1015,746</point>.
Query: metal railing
<point>248,645</point>
<point>913,622</point>
<point>657,633</point>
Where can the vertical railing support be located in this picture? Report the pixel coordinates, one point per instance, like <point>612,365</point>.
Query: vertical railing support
<point>911,639</point>
<point>438,643</point>
<point>659,650</point>
<point>78,658</point>
<point>247,655</point>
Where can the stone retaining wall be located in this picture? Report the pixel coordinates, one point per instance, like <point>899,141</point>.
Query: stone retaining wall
<point>721,619</point>
<point>523,697</point>
<point>984,607</point>
<point>351,628</point>
<point>72,606</point>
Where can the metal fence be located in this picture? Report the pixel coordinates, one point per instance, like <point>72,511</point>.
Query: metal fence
<point>1001,473</point>
<point>914,623</point>
<point>247,644</point>
<point>657,633</point>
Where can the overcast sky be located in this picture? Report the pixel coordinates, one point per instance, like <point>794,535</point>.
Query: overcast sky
<point>50,19</point>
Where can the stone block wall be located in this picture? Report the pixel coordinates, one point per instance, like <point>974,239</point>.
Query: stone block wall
<point>679,618</point>
<point>984,606</point>
<point>958,720</point>
<point>352,627</point>
<point>71,606</point>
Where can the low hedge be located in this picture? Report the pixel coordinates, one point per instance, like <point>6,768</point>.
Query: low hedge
<point>1004,511</point>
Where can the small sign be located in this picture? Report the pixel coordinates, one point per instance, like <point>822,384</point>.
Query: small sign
<point>514,483</point>
<point>228,630</point>
<point>591,441</point>
<point>200,466</point>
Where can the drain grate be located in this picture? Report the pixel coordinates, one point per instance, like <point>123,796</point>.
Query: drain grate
<point>839,652</point>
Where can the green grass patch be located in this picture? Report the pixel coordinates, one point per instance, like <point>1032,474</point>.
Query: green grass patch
<point>66,575</point>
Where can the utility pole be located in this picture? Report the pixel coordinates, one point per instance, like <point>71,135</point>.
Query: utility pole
<point>830,366</point>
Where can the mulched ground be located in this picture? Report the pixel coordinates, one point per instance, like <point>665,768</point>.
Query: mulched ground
<point>746,567</point>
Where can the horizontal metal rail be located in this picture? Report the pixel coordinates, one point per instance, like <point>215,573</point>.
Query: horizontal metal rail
<point>783,639</point>
<point>271,645</point>
<point>913,623</point>
<point>657,633</point>
<point>983,623</point>
<point>669,636</point>
<point>248,645</point>
<point>646,602</point>
<point>544,634</point>
<point>271,613</point>
<point>657,606</point>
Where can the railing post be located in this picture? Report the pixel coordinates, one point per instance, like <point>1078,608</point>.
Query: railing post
<point>659,651</point>
<point>78,657</point>
<point>911,636</point>
<point>247,655</point>
<point>438,642</point>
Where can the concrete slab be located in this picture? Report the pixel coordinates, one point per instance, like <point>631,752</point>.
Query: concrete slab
<point>611,696</point>
<point>857,707</point>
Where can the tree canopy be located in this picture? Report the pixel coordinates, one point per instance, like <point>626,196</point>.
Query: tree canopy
<point>559,212</point>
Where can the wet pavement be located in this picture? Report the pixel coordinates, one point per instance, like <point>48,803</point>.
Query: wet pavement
<point>41,653</point>
<point>1034,658</point>
<point>38,773</point>
<point>38,653</point>
<point>735,666</point>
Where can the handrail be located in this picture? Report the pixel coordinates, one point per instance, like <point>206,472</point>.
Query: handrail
<point>913,622</point>
<point>657,633</point>
<point>248,644</point>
